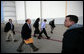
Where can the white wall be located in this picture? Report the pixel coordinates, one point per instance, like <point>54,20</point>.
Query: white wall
<point>20,12</point>
<point>50,10</point>
<point>2,17</point>
<point>75,8</point>
<point>9,11</point>
<point>33,9</point>
<point>53,9</point>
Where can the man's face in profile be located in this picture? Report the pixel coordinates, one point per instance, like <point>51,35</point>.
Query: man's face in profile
<point>10,20</point>
<point>29,21</point>
<point>68,22</point>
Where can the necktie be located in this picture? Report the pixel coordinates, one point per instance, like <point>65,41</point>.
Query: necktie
<point>29,26</point>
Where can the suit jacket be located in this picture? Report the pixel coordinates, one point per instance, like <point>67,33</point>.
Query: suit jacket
<point>36,24</point>
<point>52,23</point>
<point>26,32</point>
<point>73,41</point>
<point>8,27</point>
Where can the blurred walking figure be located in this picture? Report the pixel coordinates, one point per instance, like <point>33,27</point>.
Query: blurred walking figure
<point>36,26</point>
<point>9,29</point>
<point>73,37</point>
<point>43,30</point>
<point>51,23</point>
<point>26,35</point>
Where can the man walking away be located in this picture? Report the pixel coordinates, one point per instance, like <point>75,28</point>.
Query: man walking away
<point>36,26</point>
<point>43,30</point>
<point>52,25</point>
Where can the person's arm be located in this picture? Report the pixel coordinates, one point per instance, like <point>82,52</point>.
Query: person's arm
<point>23,31</point>
<point>5,28</point>
<point>42,26</point>
<point>13,30</point>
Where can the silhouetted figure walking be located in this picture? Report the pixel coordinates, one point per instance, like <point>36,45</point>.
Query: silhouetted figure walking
<point>51,23</point>
<point>36,26</point>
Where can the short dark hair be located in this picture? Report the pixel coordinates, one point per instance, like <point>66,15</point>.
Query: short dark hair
<point>45,20</point>
<point>73,18</point>
<point>10,19</point>
<point>38,19</point>
<point>26,20</point>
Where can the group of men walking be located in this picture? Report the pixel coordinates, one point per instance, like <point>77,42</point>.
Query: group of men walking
<point>26,32</point>
<point>72,38</point>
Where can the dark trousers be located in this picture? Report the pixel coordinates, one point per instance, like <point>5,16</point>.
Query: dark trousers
<point>43,31</point>
<point>22,43</point>
<point>52,28</point>
<point>36,31</point>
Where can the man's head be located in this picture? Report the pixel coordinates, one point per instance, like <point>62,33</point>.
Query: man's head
<point>53,20</point>
<point>38,19</point>
<point>45,20</point>
<point>10,20</point>
<point>28,21</point>
<point>70,20</point>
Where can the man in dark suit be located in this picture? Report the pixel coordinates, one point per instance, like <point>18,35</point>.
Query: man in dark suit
<point>73,37</point>
<point>9,29</point>
<point>26,34</point>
